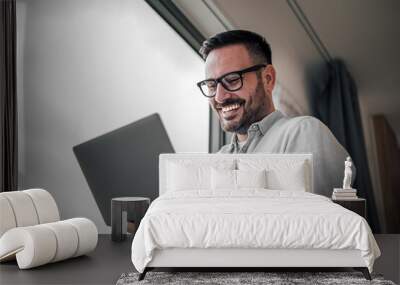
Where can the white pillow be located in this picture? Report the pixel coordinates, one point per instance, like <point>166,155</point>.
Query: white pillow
<point>282,174</point>
<point>181,177</point>
<point>193,174</point>
<point>251,178</point>
<point>293,178</point>
<point>223,179</point>
<point>236,179</point>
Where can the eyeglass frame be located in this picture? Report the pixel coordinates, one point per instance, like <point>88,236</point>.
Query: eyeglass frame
<point>239,72</point>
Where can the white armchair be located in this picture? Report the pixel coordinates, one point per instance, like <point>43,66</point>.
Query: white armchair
<point>31,230</point>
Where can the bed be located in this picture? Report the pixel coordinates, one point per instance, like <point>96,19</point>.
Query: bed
<point>246,211</point>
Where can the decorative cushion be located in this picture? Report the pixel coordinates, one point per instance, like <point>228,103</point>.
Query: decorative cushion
<point>31,232</point>
<point>293,178</point>
<point>237,179</point>
<point>87,233</point>
<point>23,208</point>
<point>183,177</point>
<point>45,205</point>
<point>193,174</point>
<point>32,246</point>
<point>223,179</point>
<point>67,237</point>
<point>7,218</point>
<point>27,208</point>
<point>282,174</point>
<point>40,244</point>
<point>251,178</point>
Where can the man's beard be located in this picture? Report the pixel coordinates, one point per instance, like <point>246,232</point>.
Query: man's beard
<point>254,109</point>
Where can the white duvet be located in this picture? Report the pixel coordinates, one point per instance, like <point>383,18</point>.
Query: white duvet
<point>251,218</point>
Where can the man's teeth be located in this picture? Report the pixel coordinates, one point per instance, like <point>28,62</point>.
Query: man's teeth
<point>230,107</point>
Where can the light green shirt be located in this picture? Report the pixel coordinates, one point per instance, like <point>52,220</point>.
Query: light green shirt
<point>277,133</point>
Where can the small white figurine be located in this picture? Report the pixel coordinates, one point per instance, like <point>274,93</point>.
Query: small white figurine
<point>347,173</point>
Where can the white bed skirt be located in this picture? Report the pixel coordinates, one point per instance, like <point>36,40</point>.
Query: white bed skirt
<point>193,257</point>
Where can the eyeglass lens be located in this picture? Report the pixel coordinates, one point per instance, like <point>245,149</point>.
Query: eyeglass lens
<point>231,82</point>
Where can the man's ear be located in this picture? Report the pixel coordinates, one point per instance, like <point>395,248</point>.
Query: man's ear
<point>270,77</point>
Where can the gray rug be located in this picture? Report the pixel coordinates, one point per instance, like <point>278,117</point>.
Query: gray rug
<point>229,278</point>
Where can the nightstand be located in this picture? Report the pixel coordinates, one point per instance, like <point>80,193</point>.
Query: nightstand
<point>358,205</point>
<point>126,214</point>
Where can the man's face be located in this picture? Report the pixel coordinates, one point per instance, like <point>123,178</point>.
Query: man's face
<point>237,110</point>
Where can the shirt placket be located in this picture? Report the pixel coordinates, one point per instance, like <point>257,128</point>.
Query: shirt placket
<point>251,135</point>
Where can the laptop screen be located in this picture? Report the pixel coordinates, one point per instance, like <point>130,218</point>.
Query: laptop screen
<point>124,162</point>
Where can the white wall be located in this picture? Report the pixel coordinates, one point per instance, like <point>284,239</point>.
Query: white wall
<point>89,67</point>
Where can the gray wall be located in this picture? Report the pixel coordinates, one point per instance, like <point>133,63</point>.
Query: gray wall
<point>88,67</point>
<point>299,66</point>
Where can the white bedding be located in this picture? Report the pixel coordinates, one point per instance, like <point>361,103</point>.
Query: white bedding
<point>250,218</point>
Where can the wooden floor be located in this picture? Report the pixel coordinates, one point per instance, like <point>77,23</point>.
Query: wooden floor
<point>110,260</point>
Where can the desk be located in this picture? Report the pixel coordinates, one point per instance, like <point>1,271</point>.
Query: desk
<point>102,266</point>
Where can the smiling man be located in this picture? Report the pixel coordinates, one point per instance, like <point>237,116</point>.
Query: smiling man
<point>239,81</point>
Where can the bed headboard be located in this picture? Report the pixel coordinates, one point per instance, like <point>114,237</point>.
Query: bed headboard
<point>207,158</point>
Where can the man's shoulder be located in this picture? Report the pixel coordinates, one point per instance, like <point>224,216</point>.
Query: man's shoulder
<point>299,120</point>
<point>303,123</point>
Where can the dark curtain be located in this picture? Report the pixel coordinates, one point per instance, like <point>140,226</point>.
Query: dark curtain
<point>337,106</point>
<point>8,97</point>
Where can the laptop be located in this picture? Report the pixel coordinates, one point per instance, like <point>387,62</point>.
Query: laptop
<point>124,162</point>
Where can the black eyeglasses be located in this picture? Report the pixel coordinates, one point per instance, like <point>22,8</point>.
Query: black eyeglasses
<point>231,81</point>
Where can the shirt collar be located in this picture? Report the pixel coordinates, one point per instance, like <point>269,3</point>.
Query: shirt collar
<point>264,125</point>
<point>268,121</point>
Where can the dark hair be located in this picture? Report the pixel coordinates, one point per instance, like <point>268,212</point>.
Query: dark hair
<point>256,45</point>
